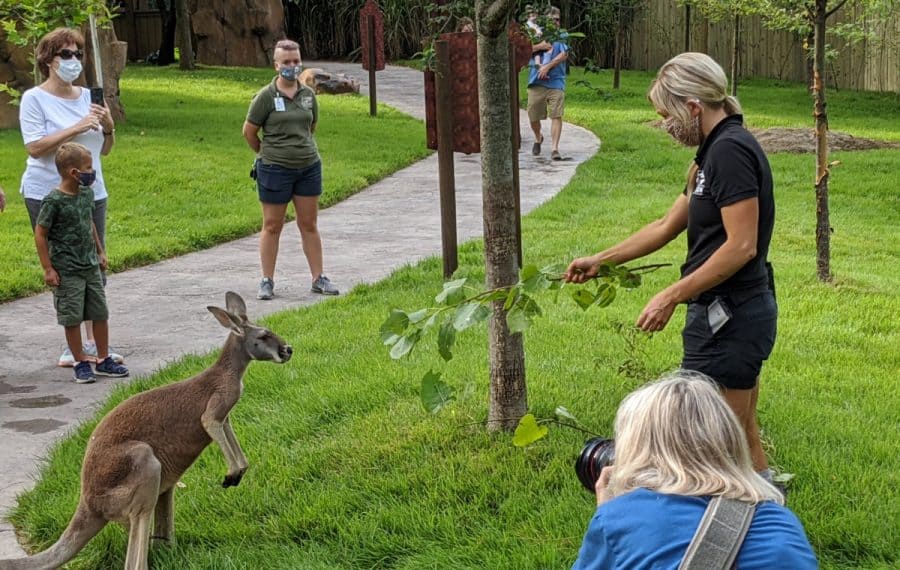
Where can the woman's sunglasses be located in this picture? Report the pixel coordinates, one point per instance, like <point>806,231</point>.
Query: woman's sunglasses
<point>69,54</point>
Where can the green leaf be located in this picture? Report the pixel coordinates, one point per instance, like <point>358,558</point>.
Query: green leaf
<point>452,293</point>
<point>630,280</point>
<point>516,320</point>
<point>394,326</point>
<point>564,413</point>
<point>435,393</point>
<point>528,272</point>
<point>446,338</point>
<point>528,431</point>
<point>530,306</point>
<point>511,298</point>
<point>405,345</point>
<point>418,316</point>
<point>606,294</point>
<point>606,269</point>
<point>463,317</point>
<point>553,270</point>
<point>583,298</point>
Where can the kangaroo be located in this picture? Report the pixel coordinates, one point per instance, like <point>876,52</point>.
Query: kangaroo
<point>141,448</point>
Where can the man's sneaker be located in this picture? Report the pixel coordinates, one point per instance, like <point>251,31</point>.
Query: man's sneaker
<point>83,373</point>
<point>90,349</point>
<point>266,289</point>
<point>66,359</point>
<point>108,367</point>
<point>324,286</point>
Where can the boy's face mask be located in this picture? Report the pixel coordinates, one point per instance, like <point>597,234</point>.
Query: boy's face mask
<point>87,178</point>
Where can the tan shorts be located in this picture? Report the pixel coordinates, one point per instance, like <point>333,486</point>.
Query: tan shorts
<point>541,99</point>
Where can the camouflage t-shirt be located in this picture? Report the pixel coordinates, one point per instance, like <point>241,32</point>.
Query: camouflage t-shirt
<point>68,221</point>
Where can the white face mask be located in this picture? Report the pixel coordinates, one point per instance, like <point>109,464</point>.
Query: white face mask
<point>69,70</point>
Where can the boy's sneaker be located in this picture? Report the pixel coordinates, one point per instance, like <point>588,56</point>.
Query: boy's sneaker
<point>83,373</point>
<point>266,289</point>
<point>324,286</point>
<point>90,349</point>
<point>110,368</point>
<point>66,359</point>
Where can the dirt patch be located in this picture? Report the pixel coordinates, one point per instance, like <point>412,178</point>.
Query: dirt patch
<point>780,139</point>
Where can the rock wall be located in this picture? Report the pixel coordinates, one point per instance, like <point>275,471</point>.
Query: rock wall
<point>237,33</point>
<point>15,71</point>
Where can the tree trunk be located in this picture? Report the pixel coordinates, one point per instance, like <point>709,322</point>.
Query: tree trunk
<point>808,52</point>
<point>735,54</point>
<point>823,227</point>
<point>167,42</point>
<point>620,38</point>
<point>183,31</point>
<point>687,27</point>
<point>508,395</point>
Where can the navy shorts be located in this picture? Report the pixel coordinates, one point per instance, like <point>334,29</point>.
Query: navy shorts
<point>278,185</point>
<point>734,355</point>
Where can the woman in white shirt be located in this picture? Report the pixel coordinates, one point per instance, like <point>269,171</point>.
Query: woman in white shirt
<point>55,112</point>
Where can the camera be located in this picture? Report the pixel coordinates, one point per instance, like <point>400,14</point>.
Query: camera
<point>597,453</point>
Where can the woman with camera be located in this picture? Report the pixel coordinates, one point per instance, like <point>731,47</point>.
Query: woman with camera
<point>678,446</point>
<point>55,112</point>
<point>728,210</point>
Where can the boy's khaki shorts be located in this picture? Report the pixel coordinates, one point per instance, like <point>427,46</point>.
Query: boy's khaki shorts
<point>80,297</point>
<point>541,99</point>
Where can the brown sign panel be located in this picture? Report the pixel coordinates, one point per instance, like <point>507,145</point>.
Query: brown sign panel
<point>371,9</point>
<point>464,78</point>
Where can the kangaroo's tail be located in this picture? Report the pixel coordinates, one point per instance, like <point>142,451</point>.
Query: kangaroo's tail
<point>83,527</point>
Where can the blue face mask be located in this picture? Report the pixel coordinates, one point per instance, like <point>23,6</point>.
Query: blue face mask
<point>290,73</point>
<point>87,178</point>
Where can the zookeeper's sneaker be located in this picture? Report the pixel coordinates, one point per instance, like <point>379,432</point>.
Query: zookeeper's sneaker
<point>323,286</point>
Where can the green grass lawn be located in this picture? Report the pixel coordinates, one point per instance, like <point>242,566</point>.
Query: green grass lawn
<point>178,175</point>
<point>348,470</point>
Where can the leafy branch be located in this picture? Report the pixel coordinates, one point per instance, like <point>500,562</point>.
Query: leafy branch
<point>460,306</point>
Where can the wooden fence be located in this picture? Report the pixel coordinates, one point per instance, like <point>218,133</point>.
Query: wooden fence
<point>658,33</point>
<point>139,24</point>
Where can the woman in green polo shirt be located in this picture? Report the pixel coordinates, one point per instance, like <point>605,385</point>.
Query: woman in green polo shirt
<point>288,167</point>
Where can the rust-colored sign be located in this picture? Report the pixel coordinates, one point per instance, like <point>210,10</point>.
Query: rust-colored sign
<point>464,80</point>
<point>371,9</point>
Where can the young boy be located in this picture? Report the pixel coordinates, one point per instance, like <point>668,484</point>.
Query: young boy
<point>71,255</point>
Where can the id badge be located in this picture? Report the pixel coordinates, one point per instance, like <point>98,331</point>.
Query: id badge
<point>717,314</point>
<point>279,103</point>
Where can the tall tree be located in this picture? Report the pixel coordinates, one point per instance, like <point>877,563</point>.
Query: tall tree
<point>810,17</point>
<point>183,31</point>
<point>508,393</point>
<point>734,10</point>
<point>167,42</point>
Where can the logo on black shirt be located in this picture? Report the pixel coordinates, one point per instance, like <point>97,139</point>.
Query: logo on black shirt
<point>701,183</point>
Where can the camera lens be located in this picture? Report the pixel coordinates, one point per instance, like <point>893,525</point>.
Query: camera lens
<point>597,453</point>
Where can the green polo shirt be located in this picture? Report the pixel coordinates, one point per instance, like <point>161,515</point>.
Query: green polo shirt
<point>287,136</point>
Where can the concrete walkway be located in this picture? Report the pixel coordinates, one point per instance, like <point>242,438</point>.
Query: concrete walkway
<point>158,313</point>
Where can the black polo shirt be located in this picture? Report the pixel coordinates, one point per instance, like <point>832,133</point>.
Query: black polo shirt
<point>733,167</point>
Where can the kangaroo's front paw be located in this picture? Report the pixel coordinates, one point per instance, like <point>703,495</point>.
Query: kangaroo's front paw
<point>233,479</point>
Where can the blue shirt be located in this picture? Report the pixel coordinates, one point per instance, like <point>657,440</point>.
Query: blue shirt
<point>644,529</point>
<point>556,78</point>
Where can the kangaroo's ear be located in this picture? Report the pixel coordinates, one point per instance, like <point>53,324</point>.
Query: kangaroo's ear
<point>235,304</point>
<point>227,320</point>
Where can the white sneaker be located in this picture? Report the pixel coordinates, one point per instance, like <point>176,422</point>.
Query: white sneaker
<point>90,349</point>
<point>66,359</point>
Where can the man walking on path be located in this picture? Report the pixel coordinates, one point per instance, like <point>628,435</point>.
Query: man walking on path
<point>546,90</point>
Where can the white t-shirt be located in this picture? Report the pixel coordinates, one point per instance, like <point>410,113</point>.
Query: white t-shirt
<point>42,114</point>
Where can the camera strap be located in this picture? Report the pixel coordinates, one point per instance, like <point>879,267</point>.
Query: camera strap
<point>719,537</point>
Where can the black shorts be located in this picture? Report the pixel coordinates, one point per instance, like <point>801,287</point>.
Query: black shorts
<point>278,185</point>
<point>733,356</point>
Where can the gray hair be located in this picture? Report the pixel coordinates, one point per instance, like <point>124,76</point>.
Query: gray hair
<point>688,76</point>
<point>679,436</point>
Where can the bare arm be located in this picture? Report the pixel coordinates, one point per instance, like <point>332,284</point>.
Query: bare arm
<point>251,135</point>
<point>741,226</point>
<point>48,144</point>
<point>544,70</point>
<point>51,277</point>
<point>104,264</point>
<point>648,239</point>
